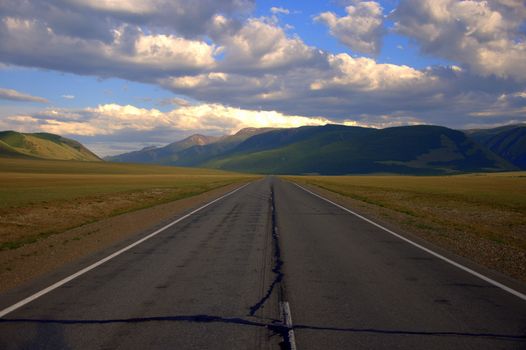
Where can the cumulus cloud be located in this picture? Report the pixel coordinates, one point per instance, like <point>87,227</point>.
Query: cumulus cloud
<point>357,88</point>
<point>261,45</point>
<point>111,119</point>
<point>132,54</point>
<point>364,74</point>
<point>486,36</point>
<point>13,95</point>
<point>361,29</point>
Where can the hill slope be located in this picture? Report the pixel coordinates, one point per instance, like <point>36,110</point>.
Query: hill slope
<point>509,142</point>
<point>337,149</point>
<point>43,146</point>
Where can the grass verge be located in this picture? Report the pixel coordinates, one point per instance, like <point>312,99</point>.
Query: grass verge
<point>43,198</point>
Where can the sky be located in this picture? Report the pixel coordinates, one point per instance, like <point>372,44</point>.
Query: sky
<point>119,75</point>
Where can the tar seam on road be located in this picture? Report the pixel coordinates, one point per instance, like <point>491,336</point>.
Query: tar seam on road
<point>441,257</point>
<point>102,261</point>
<point>276,326</point>
<point>285,330</point>
<point>278,263</point>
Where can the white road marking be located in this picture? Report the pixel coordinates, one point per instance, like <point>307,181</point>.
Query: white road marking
<point>100,262</point>
<point>460,266</point>
<point>288,322</point>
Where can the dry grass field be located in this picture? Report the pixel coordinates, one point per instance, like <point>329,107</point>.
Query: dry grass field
<point>478,216</point>
<point>42,198</point>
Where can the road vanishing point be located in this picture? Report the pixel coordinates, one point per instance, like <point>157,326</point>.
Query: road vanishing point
<point>267,266</point>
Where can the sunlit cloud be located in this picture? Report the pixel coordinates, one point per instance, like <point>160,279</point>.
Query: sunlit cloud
<point>361,29</point>
<point>13,95</point>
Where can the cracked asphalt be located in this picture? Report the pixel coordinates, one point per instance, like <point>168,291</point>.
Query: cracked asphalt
<point>216,279</point>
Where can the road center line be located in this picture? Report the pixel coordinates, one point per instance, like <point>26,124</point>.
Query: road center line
<point>102,261</point>
<point>285,309</point>
<point>449,261</point>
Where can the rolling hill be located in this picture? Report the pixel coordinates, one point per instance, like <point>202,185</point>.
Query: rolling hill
<point>337,149</point>
<point>43,146</point>
<point>509,142</point>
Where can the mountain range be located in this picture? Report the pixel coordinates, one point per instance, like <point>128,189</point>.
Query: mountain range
<point>326,150</point>
<point>338,149</point>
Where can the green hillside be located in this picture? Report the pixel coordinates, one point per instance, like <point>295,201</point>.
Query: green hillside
<point>42,146</point>
<point>509,142</point>
<point>336,149</point>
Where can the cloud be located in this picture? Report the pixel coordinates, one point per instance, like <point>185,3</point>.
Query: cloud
<point>361,29</point>
<point>509,105</point>
<point>364,74</point>
<point>132,54</point>
<point>13,95</point>
<point>95,19</point>
<point>279,10</point>
<point>359,89</point>
<point>177,101</point>
<point>217,58</point>
<point>68,97</point>
<point>486,36</point>
<point>112,119</point>
<point>261,45</point>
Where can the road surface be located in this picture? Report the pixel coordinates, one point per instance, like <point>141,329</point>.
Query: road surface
<point>270,266</point>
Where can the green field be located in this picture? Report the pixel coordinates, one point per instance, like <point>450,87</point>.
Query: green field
<point>479,216</point>
<point>39,198</point>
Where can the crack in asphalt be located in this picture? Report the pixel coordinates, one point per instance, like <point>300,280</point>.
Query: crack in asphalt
<point>276,326</point>
<point>282,329</point>
<point>278,263</point>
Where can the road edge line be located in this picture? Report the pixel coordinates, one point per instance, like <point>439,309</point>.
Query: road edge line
<point>427,250</point>
<point>63,281</point>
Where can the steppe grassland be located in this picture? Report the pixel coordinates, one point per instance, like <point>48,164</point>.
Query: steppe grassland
<point>40,198</point>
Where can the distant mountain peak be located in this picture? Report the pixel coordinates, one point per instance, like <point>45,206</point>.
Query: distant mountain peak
<point>250,130</point>
<point>199,139</point>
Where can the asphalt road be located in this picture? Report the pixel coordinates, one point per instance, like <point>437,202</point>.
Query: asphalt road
<point>220,279</point>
